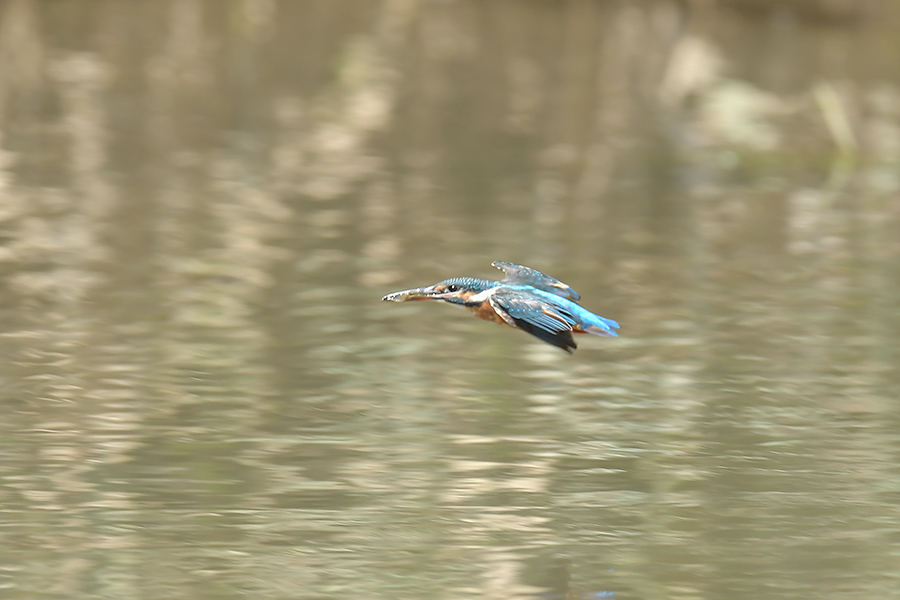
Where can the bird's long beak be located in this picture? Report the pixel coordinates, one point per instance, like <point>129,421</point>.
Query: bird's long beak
<point>423,293</point>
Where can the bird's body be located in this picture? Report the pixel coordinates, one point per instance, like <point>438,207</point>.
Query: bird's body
<point>525,299</point>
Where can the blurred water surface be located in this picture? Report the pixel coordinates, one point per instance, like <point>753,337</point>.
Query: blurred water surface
<point>203,201</point>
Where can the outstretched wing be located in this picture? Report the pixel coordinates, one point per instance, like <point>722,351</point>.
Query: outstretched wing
<point>522,275</point>
<point>549,323</point>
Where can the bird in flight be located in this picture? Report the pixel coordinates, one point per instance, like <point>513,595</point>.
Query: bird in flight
<point>524,299</point>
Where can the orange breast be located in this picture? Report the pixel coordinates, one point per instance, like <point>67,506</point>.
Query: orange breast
<point>486,311</point>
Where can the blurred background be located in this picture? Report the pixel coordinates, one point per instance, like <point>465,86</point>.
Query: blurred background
<point>203,201</point>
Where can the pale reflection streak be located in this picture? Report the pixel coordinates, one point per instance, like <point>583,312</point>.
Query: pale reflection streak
<point>21,50</point>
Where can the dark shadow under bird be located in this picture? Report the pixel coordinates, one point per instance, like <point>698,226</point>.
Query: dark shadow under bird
<point>524,299</point>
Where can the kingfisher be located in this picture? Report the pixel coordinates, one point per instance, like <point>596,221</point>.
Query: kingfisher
<point>524,299</point>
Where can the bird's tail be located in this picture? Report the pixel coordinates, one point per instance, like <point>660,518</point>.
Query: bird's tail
<point>601,326</point>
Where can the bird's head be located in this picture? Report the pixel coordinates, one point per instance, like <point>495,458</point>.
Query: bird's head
<point>456,291</point>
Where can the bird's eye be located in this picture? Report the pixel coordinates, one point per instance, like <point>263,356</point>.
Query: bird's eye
<point>452,288</point>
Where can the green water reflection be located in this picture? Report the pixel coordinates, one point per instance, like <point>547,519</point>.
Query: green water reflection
<point>203,202</point>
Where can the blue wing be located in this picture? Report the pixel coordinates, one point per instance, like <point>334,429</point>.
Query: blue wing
<point>522,275</point>
<point>550,323</point>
